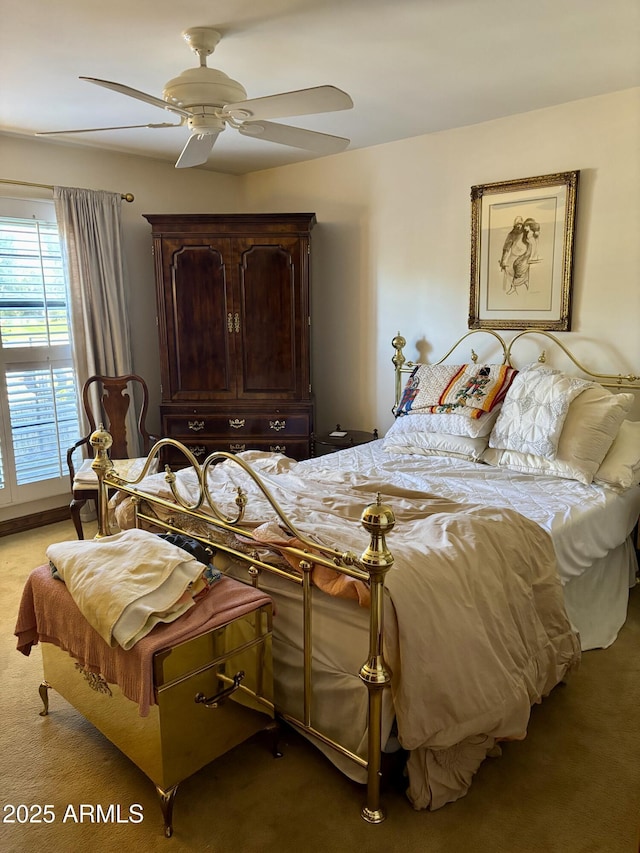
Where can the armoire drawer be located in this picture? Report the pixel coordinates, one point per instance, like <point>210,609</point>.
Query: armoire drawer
<point>236,424</point>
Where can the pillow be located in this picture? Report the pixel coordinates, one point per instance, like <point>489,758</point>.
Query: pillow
<point>453,424</point>
<point>621,466</point>
<point>468,389</point>
<point>534,411</point>
<point>591,425</point>
<point>434,443</point>
<point>478,386</point>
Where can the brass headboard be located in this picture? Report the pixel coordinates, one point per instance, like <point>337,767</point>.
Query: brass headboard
<point>618,381</point>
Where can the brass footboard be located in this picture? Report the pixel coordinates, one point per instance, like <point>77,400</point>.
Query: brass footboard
<point>370,568</point>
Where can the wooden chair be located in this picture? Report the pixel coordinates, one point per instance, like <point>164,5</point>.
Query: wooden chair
<point>115,394</point>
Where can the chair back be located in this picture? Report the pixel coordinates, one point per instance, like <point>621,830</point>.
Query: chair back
<point>106,401</point>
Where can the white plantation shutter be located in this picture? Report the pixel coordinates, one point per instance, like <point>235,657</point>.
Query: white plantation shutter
<point>33,292</point>
<point>44,420</point>
<point>38,393</point>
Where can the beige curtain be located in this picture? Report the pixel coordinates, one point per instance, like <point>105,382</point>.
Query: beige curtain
<point>90,226</point>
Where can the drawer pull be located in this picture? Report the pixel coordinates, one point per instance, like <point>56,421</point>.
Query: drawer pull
<point>198,450</point>
<point>236,423</point>
<point>278,448</point>
<point>277,425</point>
<point>237,448</point>
<point>195,426</point>
<point>218,698</point>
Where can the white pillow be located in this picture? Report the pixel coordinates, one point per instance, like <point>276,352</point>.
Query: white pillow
<point>435,444</point>
<point>453,424</point>
<point>592,423</point>
<point>534,411</point>
<point>621,466</point>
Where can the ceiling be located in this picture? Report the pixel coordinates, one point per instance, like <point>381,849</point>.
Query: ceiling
<point>411,66</point>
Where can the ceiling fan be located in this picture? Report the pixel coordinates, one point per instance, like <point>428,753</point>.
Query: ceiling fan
<point>208,101</point>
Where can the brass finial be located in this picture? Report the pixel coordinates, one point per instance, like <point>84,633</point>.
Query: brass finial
<point>100,439</point>
<point>399,342</point>
<point>377,519</point>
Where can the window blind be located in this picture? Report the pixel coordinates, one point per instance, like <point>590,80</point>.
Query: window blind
<point>33,291</point>
<point>40,399</point>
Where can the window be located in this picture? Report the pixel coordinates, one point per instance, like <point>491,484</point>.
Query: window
<point>38,393</point>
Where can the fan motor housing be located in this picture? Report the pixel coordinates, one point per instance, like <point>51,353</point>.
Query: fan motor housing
<point>203,86</point>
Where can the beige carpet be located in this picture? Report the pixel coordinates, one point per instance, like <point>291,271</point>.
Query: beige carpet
<point>573,786</point>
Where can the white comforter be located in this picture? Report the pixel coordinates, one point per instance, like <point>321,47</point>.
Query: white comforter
<point>589,525</point>
<point>584,522</point>
<point>482,631</point>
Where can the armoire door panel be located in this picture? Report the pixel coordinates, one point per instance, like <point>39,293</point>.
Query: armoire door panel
<point>202,320</point>
<point>269,288</point>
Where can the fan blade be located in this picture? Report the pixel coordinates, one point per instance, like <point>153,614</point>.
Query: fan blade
<point>322,143</point>
<point>135,93</point>
<point>321,99</point>
<point>197,150</point>
<point>97,129</point>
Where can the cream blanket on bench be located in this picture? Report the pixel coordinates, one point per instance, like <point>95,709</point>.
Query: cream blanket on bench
<point>126,583</point>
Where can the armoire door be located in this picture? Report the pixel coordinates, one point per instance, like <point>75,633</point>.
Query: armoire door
<point>273,317</point>
<point>199,345</point>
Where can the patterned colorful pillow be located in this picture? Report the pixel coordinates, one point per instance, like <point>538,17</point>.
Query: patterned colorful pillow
<point>466,389</point>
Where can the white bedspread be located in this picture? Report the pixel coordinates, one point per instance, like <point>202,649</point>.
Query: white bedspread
<point>585,522</point>
<point>589,525</point>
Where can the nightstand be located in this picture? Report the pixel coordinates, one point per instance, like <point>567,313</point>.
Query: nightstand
<point>339,439</point>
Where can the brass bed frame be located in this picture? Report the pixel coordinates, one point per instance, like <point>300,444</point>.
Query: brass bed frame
<point>370,567</point>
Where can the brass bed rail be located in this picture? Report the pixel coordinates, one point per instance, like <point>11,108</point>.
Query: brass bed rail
<point>402,366</point>
<point>371,567</point>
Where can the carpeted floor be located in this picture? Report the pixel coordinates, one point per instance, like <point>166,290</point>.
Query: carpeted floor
<point>573,786</point>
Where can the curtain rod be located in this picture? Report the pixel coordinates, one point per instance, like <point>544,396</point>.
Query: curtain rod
<point>123,196</point>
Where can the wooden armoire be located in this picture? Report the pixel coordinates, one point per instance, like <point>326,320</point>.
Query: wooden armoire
<point>234,328</point>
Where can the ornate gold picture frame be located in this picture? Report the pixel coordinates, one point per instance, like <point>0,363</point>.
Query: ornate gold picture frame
<point>522,235</point>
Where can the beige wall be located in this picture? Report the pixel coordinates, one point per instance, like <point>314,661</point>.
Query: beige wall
<point>392,245</point>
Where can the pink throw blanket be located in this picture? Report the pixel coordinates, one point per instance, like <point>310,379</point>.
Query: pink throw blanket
<point>49,614</point>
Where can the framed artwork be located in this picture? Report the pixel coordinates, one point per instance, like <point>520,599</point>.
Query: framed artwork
<point>522,235</point>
